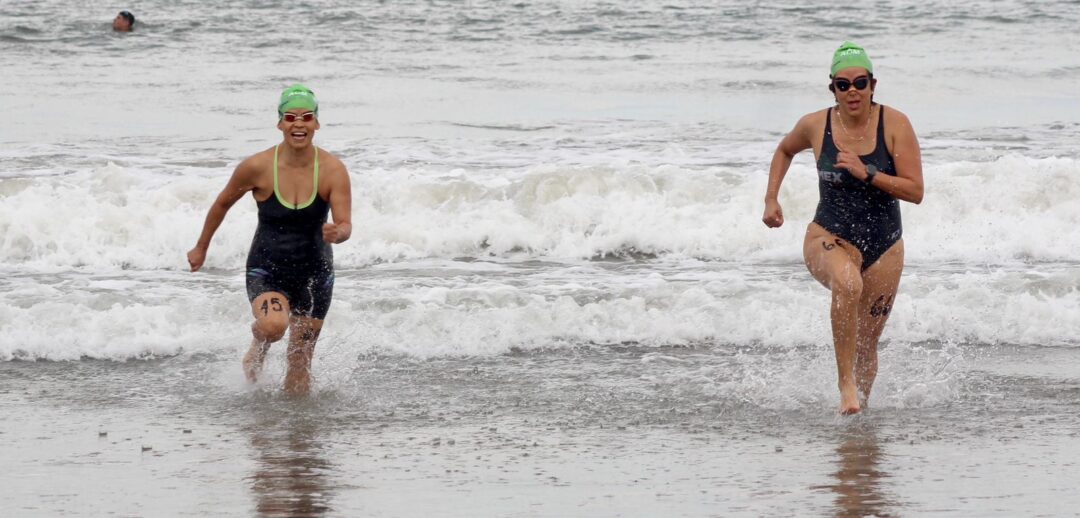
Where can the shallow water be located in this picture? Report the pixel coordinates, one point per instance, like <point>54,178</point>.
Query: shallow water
<point>614,430</point>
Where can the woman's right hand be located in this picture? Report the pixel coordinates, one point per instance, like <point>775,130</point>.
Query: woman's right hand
<point>195,258</point>
<point>774,215</point>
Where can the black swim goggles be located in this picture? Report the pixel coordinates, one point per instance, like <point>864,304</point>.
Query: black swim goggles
<point>843,85</point>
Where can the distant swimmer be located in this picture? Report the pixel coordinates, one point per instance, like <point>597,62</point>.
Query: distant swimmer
<point>290,267</point>
<point>124,22</point>
<point>854,245</point>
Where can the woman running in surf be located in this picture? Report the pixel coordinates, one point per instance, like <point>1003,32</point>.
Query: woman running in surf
<point>867,158</point>
<point>290,267</point>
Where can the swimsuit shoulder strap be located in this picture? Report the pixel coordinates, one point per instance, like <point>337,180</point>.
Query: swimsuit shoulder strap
<point>828,147</point>
<point>881,123</point>
<point>277,193</point>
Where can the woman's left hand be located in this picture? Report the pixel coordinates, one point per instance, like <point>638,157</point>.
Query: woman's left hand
<point>850,161</point>
<point>330,233</point>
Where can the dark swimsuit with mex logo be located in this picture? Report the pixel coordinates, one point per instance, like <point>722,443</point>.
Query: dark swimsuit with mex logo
<point>855,211</point>
<point>288,254</point>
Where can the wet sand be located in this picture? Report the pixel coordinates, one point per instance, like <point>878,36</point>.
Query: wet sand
<point>525,435</point>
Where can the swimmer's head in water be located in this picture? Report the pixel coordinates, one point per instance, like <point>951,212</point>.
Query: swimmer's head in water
<point>850,55</point>
<point>125,21</point>
<point>297,97</point>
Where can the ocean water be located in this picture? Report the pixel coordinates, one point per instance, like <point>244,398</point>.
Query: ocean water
<point>559,298</point>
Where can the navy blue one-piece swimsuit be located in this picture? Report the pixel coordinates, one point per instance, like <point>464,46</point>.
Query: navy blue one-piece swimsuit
<point>855,211</point>
<point>288,254</point>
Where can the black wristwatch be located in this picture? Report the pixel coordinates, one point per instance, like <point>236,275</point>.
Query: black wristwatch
<point>871,170</point>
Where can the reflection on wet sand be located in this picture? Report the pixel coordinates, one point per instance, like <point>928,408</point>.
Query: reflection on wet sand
<point>292,476</point>
<point>859,485</point>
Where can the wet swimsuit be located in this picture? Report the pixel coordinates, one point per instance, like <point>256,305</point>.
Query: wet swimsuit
<point>855,211</point>
<point>288,254</point>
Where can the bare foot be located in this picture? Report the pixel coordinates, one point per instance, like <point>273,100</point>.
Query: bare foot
<point>849,399</point>
<point>297,382</point>
<point>253,361</point>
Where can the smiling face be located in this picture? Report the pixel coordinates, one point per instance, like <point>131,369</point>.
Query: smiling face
<point>297,132</point>
<point>845,87</point>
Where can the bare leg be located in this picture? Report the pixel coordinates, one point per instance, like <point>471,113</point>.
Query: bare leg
<point>305,332</point>
<point>835,264</point>
<point>253,359</point>
<point>271,311</point>
<point>880,282</point>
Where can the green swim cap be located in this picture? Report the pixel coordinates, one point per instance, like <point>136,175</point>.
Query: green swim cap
<point>297,96</point>
<point>850,55</point>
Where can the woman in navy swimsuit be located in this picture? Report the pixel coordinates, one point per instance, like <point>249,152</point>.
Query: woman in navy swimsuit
<point>868,158</point>
<point>290,268</point>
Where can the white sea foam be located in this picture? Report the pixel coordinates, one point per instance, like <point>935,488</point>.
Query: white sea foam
<point>1013,209</point>
<point>988,254</point>
<point>119,317</point>
<point>476,311</point>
